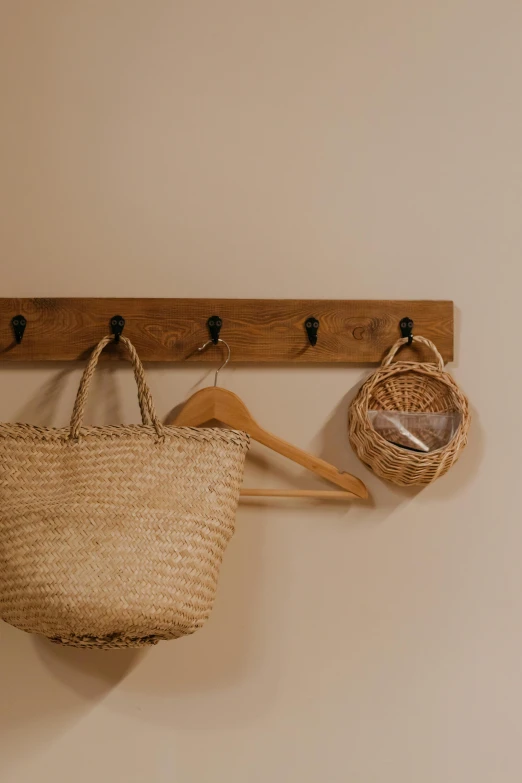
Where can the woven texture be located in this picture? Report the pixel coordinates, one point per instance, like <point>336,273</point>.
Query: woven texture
<point>114,536</point>
<point>416,387</point>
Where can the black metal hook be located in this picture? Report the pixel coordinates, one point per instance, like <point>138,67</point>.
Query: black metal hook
<point>117,324</point>
<point>18,323</point>
<point>214,324</point>
<point>311,326</point>
<point>407,329</point>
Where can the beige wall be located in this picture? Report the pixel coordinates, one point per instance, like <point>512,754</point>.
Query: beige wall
<point>269,149</point>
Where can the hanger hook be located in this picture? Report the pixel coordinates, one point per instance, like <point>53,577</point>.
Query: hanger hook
<point>210,342</point>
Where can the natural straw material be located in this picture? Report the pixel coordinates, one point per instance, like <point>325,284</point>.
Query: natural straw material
<point>415,387</point>
<point>114,536</point>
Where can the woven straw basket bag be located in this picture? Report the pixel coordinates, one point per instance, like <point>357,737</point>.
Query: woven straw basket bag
<point>114,536</point>
<point>412,387</point>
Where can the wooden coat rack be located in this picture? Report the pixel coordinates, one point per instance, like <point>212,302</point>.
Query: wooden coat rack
<point>311,331</point>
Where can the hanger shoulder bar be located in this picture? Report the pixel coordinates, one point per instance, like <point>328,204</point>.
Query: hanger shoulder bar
<point>309,461</point>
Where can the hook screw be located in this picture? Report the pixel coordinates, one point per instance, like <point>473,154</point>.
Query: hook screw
<point>214,324</point>
<point>117,324</point>
<point>311,326</point>
<point>18,323</point>
<point>407,329</point>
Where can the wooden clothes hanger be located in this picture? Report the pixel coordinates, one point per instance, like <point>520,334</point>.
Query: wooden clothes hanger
<point>216,403</point>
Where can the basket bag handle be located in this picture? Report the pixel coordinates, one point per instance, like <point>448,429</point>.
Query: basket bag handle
<point>148,411</point>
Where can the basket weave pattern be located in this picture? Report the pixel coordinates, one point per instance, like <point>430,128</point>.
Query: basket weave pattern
<point>114,536</point>
<point>414,387</point>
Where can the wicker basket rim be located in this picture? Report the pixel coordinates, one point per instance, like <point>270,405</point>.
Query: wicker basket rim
<point>16,430</point>
<point>422,368</point>
<point>418,368</point>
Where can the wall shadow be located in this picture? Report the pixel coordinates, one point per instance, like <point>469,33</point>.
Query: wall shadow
<point>42,407</point>
<point>103,404</point>
<point>51,703</point>
<point>89,673</point>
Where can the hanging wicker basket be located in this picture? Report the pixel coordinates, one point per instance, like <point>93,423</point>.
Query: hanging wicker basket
<point>418,388</point>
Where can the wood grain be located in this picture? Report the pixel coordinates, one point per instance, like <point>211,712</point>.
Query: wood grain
<point>258,330</point>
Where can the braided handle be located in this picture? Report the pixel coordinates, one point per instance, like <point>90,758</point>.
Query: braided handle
<point>148,411</point>
<point>402,341</point>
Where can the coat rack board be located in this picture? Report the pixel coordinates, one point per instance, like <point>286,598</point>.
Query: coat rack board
<point>258,330</point>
